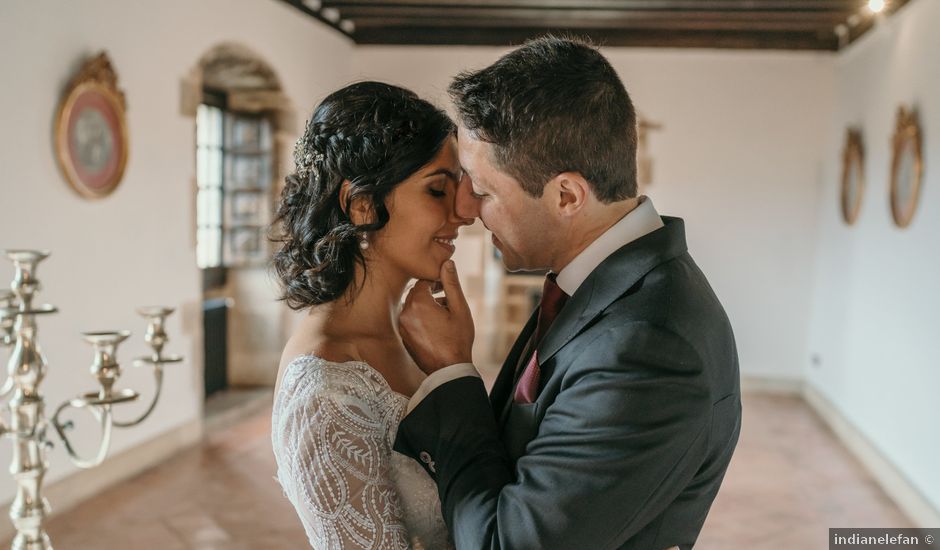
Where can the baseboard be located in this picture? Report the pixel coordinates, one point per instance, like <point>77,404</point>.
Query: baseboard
<point>66,493</point>
<point>908,498</point>
<point>776,386</point>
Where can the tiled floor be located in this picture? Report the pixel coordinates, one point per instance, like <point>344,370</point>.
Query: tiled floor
<point>789,481</point>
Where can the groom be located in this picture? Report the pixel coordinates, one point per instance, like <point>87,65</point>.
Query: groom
<point>614,417</point>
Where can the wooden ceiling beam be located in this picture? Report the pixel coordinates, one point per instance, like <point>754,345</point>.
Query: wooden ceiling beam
<point>748,24</point>
<point>727,5</point>
<point>363,23</point>
<point>826,17</point>
<point>604,37</point>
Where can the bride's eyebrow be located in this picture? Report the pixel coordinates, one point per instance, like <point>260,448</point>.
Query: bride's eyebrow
<point>443,171</point>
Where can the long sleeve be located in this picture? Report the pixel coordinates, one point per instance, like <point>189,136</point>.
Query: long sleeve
<point>623,438</point>
<point>333,464</point>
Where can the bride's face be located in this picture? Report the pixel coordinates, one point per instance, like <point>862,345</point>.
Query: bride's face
<point>422,225</point>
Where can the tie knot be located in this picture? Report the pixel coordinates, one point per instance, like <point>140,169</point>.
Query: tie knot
<point>553,299</point>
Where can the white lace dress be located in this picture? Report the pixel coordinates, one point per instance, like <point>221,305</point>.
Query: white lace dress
<point>333,426</point>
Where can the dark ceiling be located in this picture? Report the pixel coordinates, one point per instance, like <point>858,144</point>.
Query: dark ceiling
<point>746,24</point>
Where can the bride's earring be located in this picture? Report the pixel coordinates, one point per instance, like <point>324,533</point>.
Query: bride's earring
<point>364,243</point>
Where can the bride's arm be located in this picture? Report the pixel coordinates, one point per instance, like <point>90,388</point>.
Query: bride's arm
<point>336,462</point>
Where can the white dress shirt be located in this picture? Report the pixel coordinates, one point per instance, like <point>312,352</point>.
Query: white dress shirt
<point>638,222</point>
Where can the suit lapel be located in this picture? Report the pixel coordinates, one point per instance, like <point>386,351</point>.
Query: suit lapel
<point>610,280</point>
<point>505,381</point>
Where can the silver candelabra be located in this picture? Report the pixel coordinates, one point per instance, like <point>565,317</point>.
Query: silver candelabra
<point>25,371</point>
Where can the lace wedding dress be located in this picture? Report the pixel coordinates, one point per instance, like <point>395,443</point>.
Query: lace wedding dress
<point>333,426</point>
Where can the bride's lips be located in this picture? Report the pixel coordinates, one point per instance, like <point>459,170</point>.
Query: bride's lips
<point>447,243</point>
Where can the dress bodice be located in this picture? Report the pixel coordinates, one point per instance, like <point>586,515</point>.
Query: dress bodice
<point>333,429</point>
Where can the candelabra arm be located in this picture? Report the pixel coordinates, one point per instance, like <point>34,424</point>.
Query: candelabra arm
<point>158,376</point>
<point>7,387</point>
<point>102,414</point>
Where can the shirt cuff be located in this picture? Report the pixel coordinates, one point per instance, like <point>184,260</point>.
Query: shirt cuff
<point>438,379</point>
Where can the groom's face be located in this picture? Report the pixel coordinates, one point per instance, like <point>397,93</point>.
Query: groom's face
<point>521,224</point>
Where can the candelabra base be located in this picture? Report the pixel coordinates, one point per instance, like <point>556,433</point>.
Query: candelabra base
<point>22,542</point>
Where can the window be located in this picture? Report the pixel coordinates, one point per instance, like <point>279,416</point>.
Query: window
<point>233,174</point>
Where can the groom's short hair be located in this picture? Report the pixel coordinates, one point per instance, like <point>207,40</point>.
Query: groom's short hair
<point>553,105</point>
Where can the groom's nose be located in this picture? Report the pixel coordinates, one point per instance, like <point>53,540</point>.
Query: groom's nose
<point>465,204</point>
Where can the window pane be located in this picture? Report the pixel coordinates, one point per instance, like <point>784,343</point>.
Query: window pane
<point>243,171</point>
<point>215,127</point>
<point>265,135</point>
<point>267,172</point>
<point>213,207</point>
<point>244,134</point>
<point>245,245</point>
<point>214,167</point>
<point>202,166</point>
<point>202,210</point>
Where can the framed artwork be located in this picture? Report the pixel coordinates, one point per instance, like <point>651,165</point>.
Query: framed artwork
<point>907,167</point>
<point>91,130</point>
<point>853,175</point>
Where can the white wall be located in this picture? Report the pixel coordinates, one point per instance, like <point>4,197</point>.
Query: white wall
<point>748,156</point>
<point>876,296</point>
<point>135,247</point>
<point>738,158</point>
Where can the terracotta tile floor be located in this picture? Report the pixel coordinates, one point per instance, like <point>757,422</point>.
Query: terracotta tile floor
<point>790,480</point>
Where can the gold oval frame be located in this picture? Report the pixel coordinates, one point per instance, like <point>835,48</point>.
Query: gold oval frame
<point>853,155</point>
<point>906,133</point>
<point>97,76</point>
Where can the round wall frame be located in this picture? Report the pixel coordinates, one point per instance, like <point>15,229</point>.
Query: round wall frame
<point>853,175</point>
<point>907,168</point>
<point>91,130</point>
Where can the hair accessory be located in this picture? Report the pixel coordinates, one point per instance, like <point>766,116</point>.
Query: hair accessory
<point>305,157</point>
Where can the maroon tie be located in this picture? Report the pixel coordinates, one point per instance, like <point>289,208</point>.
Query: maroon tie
<point>553,299</point>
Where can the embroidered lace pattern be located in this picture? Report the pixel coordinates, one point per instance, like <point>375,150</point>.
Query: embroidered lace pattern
<point>333,427</point>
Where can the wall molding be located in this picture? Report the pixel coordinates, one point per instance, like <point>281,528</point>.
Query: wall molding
<point>66,493</point>
<point>908,498</point>
<point>776,386</point>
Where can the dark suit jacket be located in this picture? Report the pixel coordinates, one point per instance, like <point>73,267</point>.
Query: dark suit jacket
<point>637,416</point>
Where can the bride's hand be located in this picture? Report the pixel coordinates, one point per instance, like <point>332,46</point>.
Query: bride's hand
<point>437,332</point>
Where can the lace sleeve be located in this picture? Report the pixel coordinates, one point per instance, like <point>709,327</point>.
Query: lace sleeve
<point>333,464</point>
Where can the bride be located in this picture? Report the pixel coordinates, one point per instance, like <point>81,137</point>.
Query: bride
<point>370,207</point>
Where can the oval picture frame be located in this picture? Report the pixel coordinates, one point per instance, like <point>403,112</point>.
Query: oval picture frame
<point>91,130</point>
<point>907,167</point>
<point>853,175</point>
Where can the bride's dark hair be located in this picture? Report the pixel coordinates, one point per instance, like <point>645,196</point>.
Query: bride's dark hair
<point>372,134</point>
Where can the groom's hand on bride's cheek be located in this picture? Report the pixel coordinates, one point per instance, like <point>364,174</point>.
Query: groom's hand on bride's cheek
<point>437,332</point>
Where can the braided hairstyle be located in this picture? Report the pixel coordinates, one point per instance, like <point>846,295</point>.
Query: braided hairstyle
<point>373,135</point>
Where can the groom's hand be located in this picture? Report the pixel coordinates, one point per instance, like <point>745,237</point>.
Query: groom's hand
<point>437,332</point>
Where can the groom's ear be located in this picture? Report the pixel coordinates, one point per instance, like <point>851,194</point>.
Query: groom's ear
<point>569,192</point>
<point>358,210</point>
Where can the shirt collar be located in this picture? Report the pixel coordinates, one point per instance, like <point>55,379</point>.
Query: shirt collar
<point>638,222</point>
